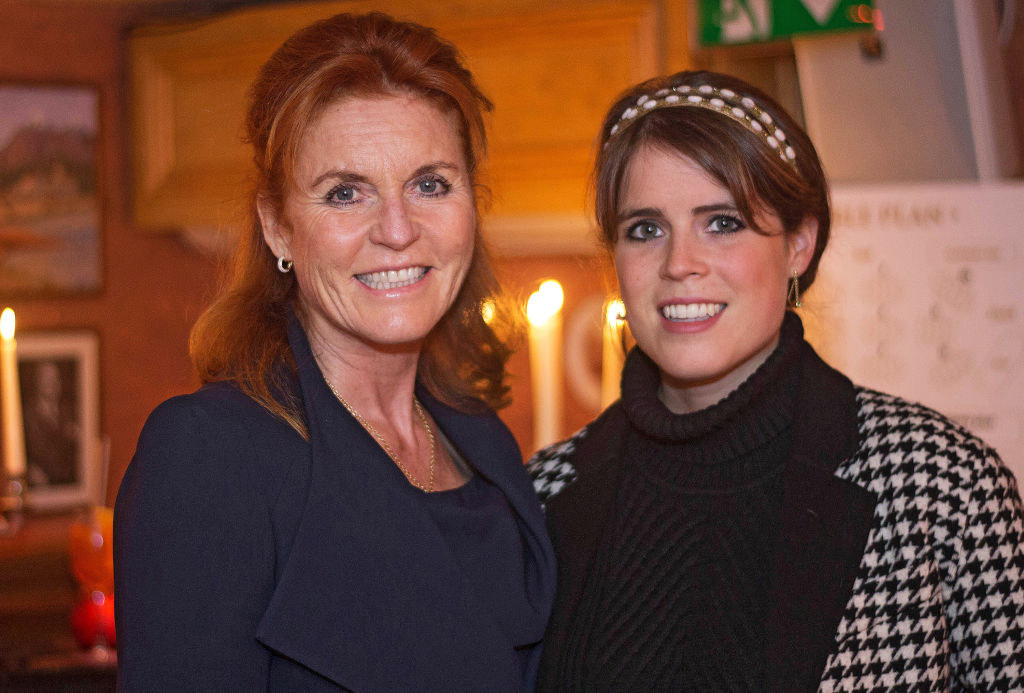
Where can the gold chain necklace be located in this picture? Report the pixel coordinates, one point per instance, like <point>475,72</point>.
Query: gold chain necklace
<point>429,488</point>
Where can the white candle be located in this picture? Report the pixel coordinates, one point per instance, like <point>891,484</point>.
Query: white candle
<point>10,399</point>
<point>543,310</point>
<point>612,355</point>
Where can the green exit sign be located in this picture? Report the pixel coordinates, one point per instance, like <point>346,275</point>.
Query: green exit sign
<point>724,22</point>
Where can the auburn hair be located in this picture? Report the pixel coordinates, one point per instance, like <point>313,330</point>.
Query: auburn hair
<point>242,335</point>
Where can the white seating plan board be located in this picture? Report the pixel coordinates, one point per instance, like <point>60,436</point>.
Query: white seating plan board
<point>921,295</point>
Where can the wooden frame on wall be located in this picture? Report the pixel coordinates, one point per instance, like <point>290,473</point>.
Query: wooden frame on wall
<point>50,215</point>
<point>58,373</point>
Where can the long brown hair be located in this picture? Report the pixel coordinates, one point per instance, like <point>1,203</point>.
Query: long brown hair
<point>242,336</point>
<point>753,173</point>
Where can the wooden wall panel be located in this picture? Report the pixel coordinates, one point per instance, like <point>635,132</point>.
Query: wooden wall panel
<point>187,95</point>
<point>551,70</point>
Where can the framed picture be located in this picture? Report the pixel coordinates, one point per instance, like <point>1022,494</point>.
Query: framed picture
<point>58,373</point>
<point>49,202</point>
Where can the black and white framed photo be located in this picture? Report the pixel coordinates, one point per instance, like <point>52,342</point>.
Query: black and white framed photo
<point>58,373</point>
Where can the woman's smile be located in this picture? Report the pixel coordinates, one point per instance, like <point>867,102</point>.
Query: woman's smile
<point>393,279</point>
<point>691,312</point>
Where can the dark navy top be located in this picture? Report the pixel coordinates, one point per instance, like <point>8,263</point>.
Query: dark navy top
<point>481,531</point>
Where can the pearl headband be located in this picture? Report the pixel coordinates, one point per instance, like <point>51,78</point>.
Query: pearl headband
<point>740,108</point>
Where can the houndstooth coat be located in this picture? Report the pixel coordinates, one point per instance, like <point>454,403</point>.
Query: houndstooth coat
<point>901,566</point>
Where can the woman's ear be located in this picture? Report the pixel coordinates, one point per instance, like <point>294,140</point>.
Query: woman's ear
<point>276,233</point>
<point>801,245</point>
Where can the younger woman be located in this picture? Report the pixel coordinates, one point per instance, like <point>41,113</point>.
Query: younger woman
<point>745,518</point>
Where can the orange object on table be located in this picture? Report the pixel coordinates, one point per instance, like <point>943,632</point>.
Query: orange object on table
<point>91,547</point>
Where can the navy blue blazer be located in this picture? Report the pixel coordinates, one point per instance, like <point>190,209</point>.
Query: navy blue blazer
<point>247,558</point>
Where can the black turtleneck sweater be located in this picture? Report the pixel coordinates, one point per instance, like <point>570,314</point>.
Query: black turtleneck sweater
<point>678,596</point>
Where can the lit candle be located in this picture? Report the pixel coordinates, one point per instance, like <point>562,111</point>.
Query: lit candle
<point>612,355</point>
<point>10,399</point>
<point>543,310</point>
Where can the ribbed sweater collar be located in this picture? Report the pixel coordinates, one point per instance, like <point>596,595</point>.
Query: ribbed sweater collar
<point>751,415</point>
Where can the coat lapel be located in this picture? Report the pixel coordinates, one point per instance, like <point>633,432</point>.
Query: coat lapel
<point>370,596</point>
<point>824,527</point>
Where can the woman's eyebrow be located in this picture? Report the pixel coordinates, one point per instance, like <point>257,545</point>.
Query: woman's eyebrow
<point>349,176</point>
<point>640,212</point>
<point>434,166</point>
<point>717,207</point>
<point>340,175</point>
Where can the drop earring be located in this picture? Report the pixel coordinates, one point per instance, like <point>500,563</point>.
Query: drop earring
<point>793,296</point>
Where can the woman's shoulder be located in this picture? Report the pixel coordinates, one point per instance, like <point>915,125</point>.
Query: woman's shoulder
<point>552,468</point>
<point>221,406</point>
<point>215,430</point>
<point>556,466</point>
<point>210,397</point>
<point>886,421</point>
<point>907,447</point>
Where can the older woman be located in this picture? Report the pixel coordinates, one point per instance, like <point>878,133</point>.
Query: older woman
<point>338,508</point>
<point>745,518</point>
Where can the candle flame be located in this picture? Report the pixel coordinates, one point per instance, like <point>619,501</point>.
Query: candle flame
<point>544,303</point>
<point>7,324</point>
<point>487,311</point>
<point>615,313</point>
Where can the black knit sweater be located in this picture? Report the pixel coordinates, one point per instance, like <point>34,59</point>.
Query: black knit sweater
<point>678,596</point>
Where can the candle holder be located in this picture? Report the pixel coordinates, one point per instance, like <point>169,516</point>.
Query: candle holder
<point>12,504</point>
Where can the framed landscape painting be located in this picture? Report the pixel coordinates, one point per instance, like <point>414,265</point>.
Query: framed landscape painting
<point>49,202</point>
